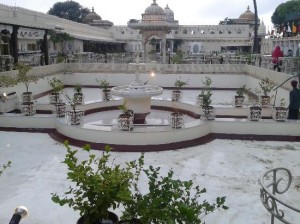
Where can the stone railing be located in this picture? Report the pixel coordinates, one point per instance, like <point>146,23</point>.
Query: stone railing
<point>273,183</point>
<point>159,68</point>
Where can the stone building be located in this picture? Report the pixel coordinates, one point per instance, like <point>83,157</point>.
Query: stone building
<point>157,35</point>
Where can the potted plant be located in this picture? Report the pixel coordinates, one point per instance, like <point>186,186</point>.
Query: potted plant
<point>177,94</point>
<point>56,87</point>
<point>176,119</point>
<point>206,86</point>
<point>239,97</point>
<point>125,120</point>
<point>59,109</point>
<point>99,184</point>
<point>104,85</point>
<point>74,115</point>
<point>280,112</point>
<point>168,200</point>
<point>255,109</point>
<point>204,99</point>
<point>266,87</point>
<point>24,77</point>
<point>78,95</point>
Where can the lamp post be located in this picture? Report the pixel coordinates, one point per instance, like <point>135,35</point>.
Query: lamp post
<point>20,212</point>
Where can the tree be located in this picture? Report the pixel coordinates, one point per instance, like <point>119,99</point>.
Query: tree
<point>255,45</point>
<point>285,9</point>
<point>226,21</point>
<point>69,10</point>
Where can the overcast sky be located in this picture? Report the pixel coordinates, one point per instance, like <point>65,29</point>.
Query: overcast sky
<point>187,12</point>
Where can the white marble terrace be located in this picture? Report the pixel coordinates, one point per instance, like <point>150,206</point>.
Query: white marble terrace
<point>99,125</point>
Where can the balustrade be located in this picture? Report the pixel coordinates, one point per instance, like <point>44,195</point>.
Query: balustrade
<point>273,183</point>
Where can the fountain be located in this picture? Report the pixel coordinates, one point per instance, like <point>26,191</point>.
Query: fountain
<point>137,95</point>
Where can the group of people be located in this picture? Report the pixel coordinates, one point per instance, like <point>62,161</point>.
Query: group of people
<point>294,95</point>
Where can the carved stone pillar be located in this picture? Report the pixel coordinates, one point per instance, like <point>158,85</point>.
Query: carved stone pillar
<point>164,49</point>
<point>45,49</point>
<point>14,43</point>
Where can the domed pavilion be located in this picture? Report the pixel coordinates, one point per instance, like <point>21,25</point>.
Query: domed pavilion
<point>156,23</point>
<point>93,19</point>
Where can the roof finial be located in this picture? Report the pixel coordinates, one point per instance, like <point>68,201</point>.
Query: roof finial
<point>248,8</point>
<point>154,2</point>
<point>92,9</point>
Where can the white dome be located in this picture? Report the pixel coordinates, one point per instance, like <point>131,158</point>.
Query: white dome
<point>169,13</point>
<point>154,9</point>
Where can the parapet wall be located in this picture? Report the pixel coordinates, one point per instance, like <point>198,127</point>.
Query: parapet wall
<point>223,75</point>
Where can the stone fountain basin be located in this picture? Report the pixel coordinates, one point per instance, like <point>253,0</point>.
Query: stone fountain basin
<point>137,91</point>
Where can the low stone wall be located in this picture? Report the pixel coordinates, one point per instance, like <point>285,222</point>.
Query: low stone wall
<point>223,75</point>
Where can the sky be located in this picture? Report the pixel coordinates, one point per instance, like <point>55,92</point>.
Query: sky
<point>188,12</point>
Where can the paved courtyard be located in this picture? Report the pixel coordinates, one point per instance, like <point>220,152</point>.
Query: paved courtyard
<point>228,168</point>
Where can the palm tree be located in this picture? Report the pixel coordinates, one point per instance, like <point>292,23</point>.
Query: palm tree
<point>255,44</point>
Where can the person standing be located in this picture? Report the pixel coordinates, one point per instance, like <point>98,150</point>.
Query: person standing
<point>275,58</point>
<point>294,101</point>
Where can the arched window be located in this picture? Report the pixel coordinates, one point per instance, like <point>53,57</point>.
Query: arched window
<point>195,48</point>
<point>184,31</point>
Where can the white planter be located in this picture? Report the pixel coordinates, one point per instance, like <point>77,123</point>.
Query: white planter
<point>239,101</point>
<point>125,122</point>
<point>254,113</point>
<point>265,101</point>
<point>176,120</point>
<point>27,97</point>
<point>207,113</point>
<point>106,95</point>
<point>28,108</point>
<point>78,98</point>
<point>59,109</point>
<point>54,98</point>
<point>176,95</point>
<point>280,113</point>
<point>74,117</point>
